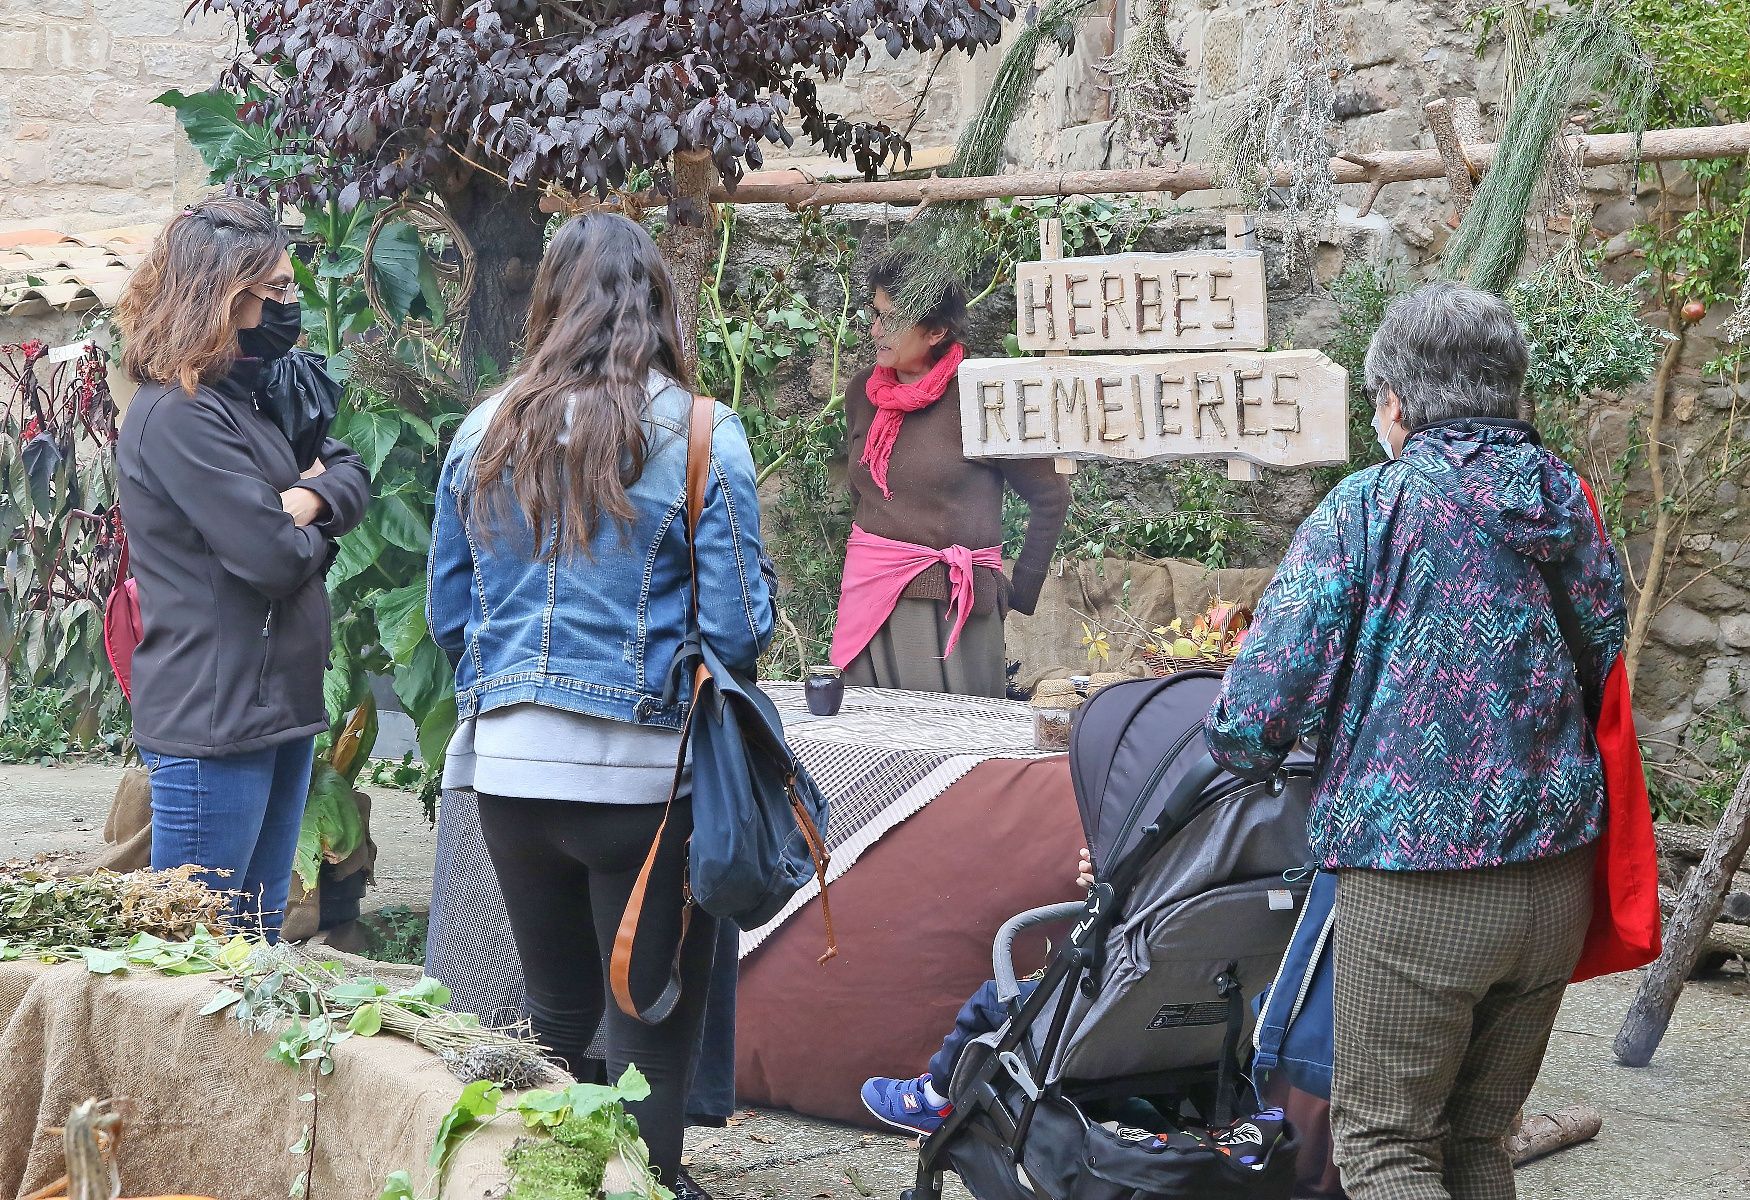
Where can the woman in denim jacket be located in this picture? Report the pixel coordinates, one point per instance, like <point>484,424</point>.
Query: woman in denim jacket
<point>563,640</point>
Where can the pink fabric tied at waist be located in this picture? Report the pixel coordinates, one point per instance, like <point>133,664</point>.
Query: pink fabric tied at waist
<point>877,572</point>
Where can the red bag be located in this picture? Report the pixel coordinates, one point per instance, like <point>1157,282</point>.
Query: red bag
<point>122,626</point>
<point>1624,933</point>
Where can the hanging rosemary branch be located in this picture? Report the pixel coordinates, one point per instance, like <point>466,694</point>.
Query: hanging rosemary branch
<point>1585,334</point>
<point>1150,84</point>
<point>1286,120</point>
<point>944,244</point>
<point>1589,51</point>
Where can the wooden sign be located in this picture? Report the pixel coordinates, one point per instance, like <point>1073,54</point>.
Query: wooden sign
<point>1206,300</point>
<point>1287,408</point>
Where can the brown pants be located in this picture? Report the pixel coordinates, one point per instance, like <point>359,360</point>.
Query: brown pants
<point>1447,985</point>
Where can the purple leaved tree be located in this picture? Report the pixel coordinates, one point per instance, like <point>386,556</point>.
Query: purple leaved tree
<point>486,103</point>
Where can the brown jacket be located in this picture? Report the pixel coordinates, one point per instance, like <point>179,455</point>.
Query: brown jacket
<point>942,499</point>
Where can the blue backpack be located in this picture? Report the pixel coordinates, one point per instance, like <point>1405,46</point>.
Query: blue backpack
<point>756,829</point>
<point>1295,1013</point>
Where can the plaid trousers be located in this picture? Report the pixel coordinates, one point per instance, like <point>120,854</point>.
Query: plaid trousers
<point>1446,987</point>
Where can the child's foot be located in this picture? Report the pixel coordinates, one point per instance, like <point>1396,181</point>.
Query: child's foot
<point>904,1104</point>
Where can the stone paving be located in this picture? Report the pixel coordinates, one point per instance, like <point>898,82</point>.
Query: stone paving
<point>1676,1130</point>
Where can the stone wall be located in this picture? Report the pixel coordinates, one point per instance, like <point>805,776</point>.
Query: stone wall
<point>81,143</point>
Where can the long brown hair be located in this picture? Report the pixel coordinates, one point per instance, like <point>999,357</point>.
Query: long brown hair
<point>178,313</point>
<point>569,434</point>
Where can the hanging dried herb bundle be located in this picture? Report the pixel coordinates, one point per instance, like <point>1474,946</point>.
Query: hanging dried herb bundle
<point>945,244</point>
<point>1286,120</point>
<point>1590,51</point>
<point>1151,87</point>
<point>40,912</point>
<point>1585,335</point>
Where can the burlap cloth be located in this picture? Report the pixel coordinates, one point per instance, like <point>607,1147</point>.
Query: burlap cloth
<point>214,1116</point>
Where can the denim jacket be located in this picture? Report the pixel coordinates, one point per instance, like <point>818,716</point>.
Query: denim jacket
<point>1411,630</point>
<point>596,635</point>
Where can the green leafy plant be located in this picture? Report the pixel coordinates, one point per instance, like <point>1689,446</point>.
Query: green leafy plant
<point>1206,524</point>
<point>38,725</point>
<point>576,1134</point>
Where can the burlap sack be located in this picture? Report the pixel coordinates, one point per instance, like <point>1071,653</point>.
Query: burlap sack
<point>214,1116</point>
<point>1048,644</point>
<point>127,836</point>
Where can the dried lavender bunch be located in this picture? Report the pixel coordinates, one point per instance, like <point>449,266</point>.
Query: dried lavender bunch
<point>1151,87</point>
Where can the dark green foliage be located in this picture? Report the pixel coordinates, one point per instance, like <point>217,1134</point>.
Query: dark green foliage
<point>1361,293</point>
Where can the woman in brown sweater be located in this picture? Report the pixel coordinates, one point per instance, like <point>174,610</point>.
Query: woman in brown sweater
<point>924,595</point>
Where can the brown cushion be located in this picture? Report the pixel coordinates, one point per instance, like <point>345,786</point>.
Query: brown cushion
<point>915,918</point>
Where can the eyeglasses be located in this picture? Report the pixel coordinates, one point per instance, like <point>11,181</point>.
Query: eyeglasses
<point>286,293</point>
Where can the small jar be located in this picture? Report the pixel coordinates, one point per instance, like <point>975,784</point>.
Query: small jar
<point>1054,708</point>
<point>825,690</point>
<point>1051,727</point>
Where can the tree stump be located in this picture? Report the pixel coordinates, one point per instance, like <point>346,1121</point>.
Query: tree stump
<point>1686,933</point>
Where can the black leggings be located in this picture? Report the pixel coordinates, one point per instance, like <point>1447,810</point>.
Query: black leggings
<point>567,870</point>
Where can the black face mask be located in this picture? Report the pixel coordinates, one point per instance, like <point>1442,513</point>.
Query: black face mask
<point>278,332</point>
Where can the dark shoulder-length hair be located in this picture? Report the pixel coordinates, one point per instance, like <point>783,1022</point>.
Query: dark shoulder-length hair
<point>568,439</point>
<point>178,313</point>
<point>948,314</point>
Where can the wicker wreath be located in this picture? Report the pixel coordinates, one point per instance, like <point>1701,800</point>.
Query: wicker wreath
<point>455,269</point>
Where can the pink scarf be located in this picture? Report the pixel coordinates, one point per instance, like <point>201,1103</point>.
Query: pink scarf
<point>877,570</point>
<point>893,399</point>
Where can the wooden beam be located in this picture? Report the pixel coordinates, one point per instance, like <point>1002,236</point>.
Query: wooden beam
<point>1385,167</point>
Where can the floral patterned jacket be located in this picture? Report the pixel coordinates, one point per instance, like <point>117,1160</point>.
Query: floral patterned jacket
<point>1410,631</point>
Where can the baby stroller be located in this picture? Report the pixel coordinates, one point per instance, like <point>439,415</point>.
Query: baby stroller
<point>1121,1075</point>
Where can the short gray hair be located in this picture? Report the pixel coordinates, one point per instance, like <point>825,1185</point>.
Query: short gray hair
<point>1448,351</point>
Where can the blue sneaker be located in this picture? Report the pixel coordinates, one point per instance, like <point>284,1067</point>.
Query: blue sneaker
<point>902,1104</point>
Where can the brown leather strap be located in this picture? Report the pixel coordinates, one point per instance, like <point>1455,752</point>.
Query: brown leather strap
<point>699,429</point>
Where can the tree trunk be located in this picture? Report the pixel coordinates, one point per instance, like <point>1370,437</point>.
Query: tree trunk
<point>687,245</point>
<point>506,230</point>
<point>1686,933</point>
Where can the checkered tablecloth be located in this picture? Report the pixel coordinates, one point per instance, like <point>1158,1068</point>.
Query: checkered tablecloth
<point>880,760</point>
<point>885,756</point>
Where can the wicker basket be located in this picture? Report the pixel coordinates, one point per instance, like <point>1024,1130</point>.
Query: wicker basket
<point>1163,665</point>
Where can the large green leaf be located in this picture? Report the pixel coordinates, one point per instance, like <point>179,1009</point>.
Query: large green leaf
<point>401,620</point>
<point>359,551</point>
<point>373,434</point>
<point>395,266</point>
<point>331,821</point>
<point>399,525</point>
<point>424,680</point>
<point>435,729</point>
<point>210,121</point>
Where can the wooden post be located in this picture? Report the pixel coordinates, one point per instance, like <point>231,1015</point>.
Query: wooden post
<point>1242,234</point>
<point>1050,250</point>
<point>1448,141</point>
<point>1686,933</point>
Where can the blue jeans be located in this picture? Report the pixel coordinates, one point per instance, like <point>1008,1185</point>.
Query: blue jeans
<point>981,1014</point>
<point>241,814</point>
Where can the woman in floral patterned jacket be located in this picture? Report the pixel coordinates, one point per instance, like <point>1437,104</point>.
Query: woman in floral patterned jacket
<point>1412,632</point>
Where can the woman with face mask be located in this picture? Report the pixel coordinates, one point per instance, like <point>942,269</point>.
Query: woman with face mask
<point>924,592</point>
<point>229,544</point>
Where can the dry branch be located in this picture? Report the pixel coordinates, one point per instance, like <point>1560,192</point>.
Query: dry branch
<point>1545,1133</point>
<point>1686,933</point>
<point>1389,166</point>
